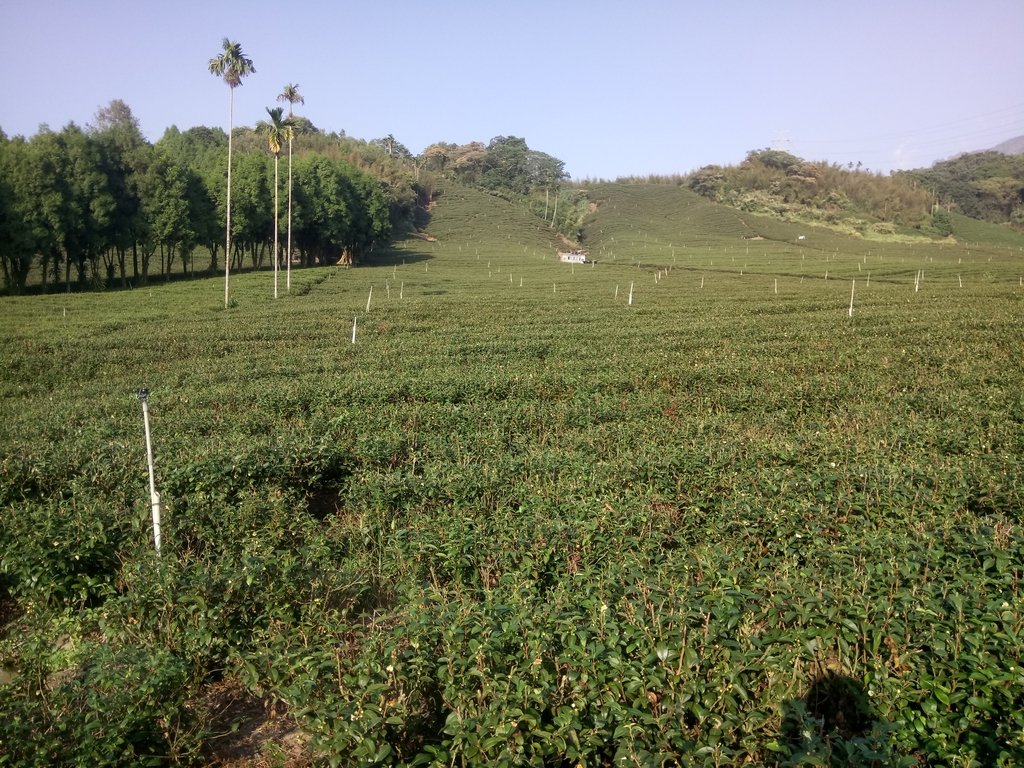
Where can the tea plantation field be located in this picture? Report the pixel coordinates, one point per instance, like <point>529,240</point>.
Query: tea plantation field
<point>467,505</point>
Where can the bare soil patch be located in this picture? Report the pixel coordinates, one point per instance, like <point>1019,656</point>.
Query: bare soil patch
<point>253,732</point>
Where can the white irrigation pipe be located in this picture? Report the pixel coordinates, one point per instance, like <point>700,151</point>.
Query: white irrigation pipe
<point>154,497</point>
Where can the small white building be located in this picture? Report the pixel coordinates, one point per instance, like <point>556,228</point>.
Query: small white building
<point>572,257</point>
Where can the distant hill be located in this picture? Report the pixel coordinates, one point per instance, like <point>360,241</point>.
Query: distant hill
<point>1014,146</point>
<point>647,221</point>
<point>779,184</point>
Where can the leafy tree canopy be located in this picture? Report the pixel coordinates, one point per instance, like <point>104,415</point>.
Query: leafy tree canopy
<point>982,185</point>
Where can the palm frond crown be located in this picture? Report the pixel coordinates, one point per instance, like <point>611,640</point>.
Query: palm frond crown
<point>277,130</point>
<point>232,64</point>
<point>290,93</point>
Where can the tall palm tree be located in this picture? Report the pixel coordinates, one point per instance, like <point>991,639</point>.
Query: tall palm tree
<point>232,65</point>
<point>290,93</point>
<point>277,130</point>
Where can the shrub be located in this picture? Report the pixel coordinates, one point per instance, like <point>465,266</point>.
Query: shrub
<point>120,707</point>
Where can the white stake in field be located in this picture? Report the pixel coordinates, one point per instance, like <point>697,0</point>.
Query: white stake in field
<point>154,497</point>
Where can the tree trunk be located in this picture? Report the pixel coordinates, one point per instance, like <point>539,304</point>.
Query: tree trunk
<point>275,225</point>
<point>146,256</point>
<point>227,235</point>
<point>288,280</point>
<point>109,257</point>
<point>170,261</point>
<point>95,272</point>
<point>44,262</point>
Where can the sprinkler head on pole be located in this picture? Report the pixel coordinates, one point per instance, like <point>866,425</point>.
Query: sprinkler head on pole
<point>143,394</point>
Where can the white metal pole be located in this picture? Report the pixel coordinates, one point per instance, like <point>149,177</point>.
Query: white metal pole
<point>154,497</point>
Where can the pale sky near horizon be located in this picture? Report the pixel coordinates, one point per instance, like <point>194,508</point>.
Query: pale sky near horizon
<point>611,88</point>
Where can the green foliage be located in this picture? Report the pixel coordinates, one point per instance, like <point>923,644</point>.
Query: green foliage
<point>505,166</point>
<point>983,185</point>
<point>521,521</point>
<point>88,208</point>
<point>107,205</point>
<point>117,707</point>
<point>338,210</point>
<point>16,241</point>
<point>511,166</point>
<point>65,551</point>
<point>774,158</point>
<point>780,184</point>
<point>942,223</point>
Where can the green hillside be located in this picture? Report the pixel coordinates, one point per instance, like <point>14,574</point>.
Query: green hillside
<point>670,226</point>
<point>651,217</point>
<point>987,186</point>
<point>705,500</point>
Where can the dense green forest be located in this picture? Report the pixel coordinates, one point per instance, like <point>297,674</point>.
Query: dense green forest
<point>100,205</point>
<point>983,185</point>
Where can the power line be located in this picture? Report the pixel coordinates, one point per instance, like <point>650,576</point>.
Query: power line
<point>1011,117</point>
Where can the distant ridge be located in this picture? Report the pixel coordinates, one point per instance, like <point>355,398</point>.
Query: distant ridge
<point>1013,146</point>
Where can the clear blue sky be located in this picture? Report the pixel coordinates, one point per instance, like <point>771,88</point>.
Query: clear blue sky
<point>611,88</point>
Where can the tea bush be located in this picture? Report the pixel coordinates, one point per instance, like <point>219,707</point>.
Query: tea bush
<point>521,521</point>
<point>121,707</point>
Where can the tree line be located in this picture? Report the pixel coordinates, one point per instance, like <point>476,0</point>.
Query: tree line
<point>98,206</point>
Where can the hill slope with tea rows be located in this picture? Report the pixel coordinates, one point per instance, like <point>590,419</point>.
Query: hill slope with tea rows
<point>737,491</point>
